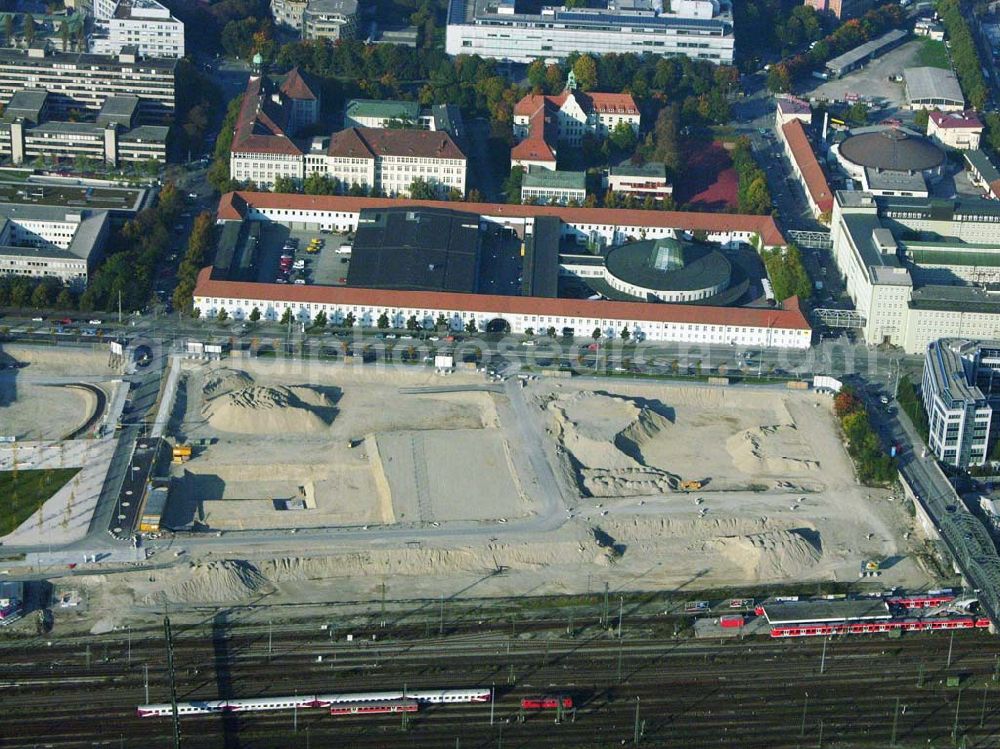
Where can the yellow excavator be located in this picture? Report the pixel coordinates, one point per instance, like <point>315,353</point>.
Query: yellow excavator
<point>690,486</point>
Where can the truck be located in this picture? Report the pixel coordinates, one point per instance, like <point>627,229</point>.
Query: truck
<point>821,75</point>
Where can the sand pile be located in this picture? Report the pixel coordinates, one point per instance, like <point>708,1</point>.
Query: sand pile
<point>256,409</point>
<point>772,555</point>
<point>214,582</point>
<point>225,380</point>
<point>764,451</point>
<point>609,438</point>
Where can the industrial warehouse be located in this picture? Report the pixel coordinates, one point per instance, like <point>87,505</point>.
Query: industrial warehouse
<point>503,269</point>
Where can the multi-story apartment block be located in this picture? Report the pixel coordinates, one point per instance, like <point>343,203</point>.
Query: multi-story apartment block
<point>542,122</point>
<point>919,269</point>
<point>960,389</point>
<point>27,133</point>
<point>330,19</point>
<point>144,24</point>
<point>700,29</point>
<point>289,13</point>
<point>80,82</point>
<point>48,242</point>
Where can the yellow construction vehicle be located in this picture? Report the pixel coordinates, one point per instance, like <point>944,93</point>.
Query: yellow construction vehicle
<point>181,453</point>
<point>690,486</point>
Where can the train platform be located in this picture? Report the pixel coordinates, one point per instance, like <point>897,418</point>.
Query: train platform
<point>710,627</point>
<point>819,611</point>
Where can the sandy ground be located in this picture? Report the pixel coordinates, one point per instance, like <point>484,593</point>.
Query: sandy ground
<point>63,409</point>
<point>349,445</point>
<point>779,501</point>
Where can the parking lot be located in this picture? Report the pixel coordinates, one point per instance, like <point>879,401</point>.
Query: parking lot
<point>325,268</point>
<point>872,81</point>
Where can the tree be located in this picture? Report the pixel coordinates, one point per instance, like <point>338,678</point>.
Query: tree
<point>845,402</point>
<point>596,334</point>
<point>920,118</point>
<point>349,320</point>
<point>64,35</point>
<point>529,332</point>
<point>585,71</point>
<point>441,323</point>
<point>625,333</point>
<point>286,317</point>
<point>223,315</point>
<point>65,300</point>
<point>536,76</point>
<point>40,296</point>
<point>320,320</point>
<point>623,137</point>
<point>8,29</point>
<point>29,28</point>
<point>383,321</point>
<point>411,323</point>
<point>320,184</point>
<point>421,189</point>
<point>551,332</point>
<point>512,185</point>
<point>470,327</point>
<point>284,184</point>
<point>858,113</point>
<point>255,314</point>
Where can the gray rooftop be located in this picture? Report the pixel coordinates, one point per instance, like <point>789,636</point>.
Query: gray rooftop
<point>26,103</point>
<point>82,60</point>
<point>955,298</point>
<point>932,86</point>
<point>886,179</point>
<point>948,370</point>
<point>332,7</point>
<point>89,228</point>
<point>651,169</point>
<point>120,105</point>
<point>145,134</point>
<point>825,611</point>
<point>862,51</point>
<point>382,108</point>
<point>554,180</point>
<point>980,161</point>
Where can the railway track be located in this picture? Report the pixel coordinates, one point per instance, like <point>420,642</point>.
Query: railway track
<point>689,693</point>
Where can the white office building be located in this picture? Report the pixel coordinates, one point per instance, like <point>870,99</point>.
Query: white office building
<point>144,24</point>
<point>700,29</point>
<point>50,242</point>
<point>960,387</point>
<point>919,269</point>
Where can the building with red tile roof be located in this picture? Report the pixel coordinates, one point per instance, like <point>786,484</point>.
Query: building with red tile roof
<point>780,327</point>
<point>337,212</point>
<point>389,160</point>
<point>567,117</point>
<point>807,168</point>
<point>962,130</point>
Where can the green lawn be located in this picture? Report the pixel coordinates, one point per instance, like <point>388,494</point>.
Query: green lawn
<point>933,54</point>
<point>20,496</point>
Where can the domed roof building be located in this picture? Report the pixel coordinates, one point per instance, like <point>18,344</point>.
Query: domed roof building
<point>888,148</point>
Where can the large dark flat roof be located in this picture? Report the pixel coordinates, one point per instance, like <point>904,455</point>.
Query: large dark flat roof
<point>703,266</point>
<point>420,249</point>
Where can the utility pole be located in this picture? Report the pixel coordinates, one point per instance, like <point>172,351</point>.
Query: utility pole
<point>636,738</point>
<point>958,704</point>
<point>173,682</point>
<point>895,722</point>
<point>805,708</point>
<point>604,616</point>
<point>822,662</point>
<point>129,656</point>
<point>951,643</point>
<point>982,713</point>
<point>270,628</point>
<point>621,607</point>
<point>820,733</point>
<point>620,642</point>
<point>441,618</point>
<point>493,688</point>
<point>145,679</point>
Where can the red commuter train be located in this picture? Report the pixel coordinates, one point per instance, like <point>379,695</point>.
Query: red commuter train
<point>547,702</point>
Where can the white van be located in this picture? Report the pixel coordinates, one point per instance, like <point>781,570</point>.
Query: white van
<point>344,249</point>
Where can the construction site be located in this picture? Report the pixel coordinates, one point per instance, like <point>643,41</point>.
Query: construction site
<point>321,481</point>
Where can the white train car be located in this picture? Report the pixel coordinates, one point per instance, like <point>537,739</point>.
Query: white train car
<point>305,702</point>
